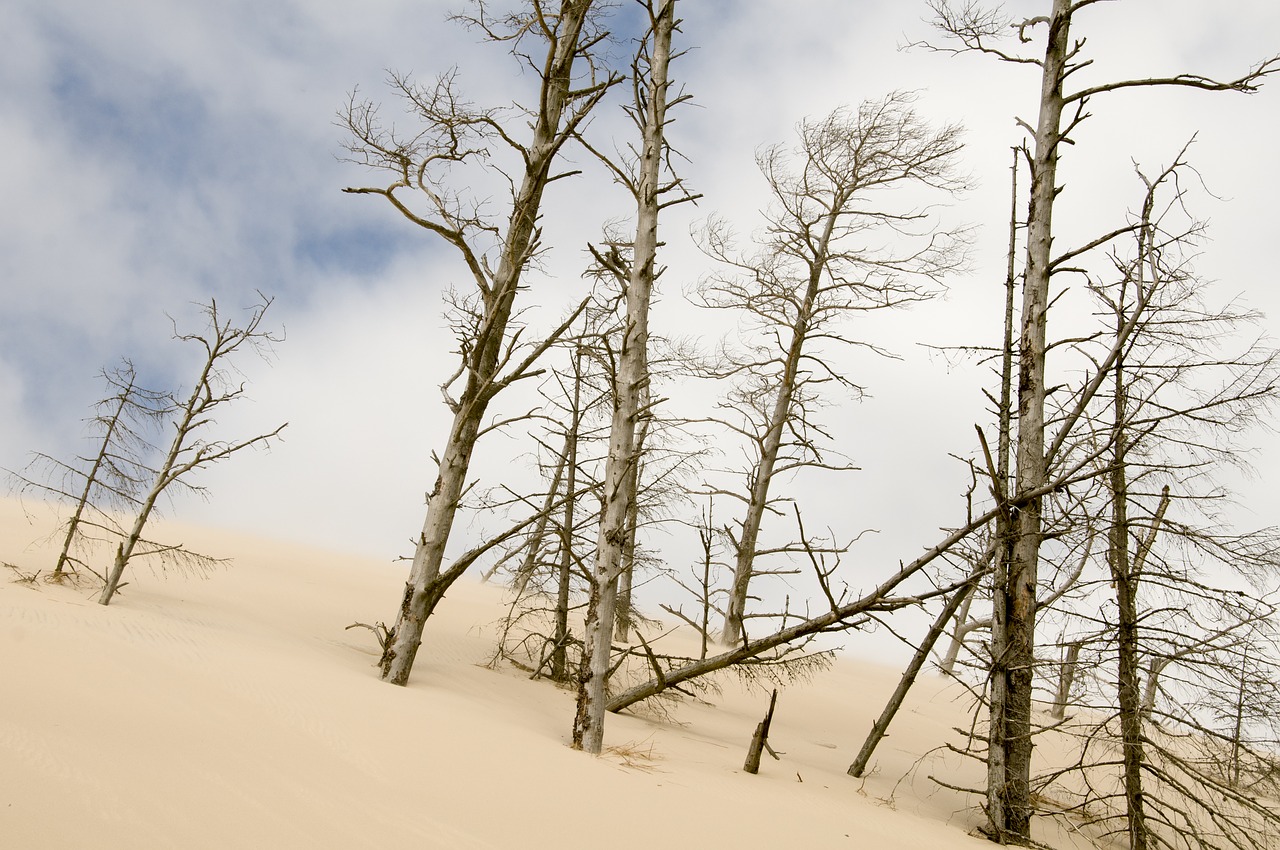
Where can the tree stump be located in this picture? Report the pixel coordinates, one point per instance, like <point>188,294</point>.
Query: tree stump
<point>760,740</point>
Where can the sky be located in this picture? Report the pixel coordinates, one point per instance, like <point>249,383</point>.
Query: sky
<point>159,154</point>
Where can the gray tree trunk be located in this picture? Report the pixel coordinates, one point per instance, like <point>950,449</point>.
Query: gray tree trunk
<point>762,474</point>
<point>760,739</point>
<point>1066,678</point>
<point>1009,777</point>
<point>623,618</point>
<point>631,393</point>
<point>533,548</point>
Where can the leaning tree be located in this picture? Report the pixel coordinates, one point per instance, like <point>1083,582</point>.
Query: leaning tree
<point>430,170</point>
<point>110,482</point>
<point>192,448</point>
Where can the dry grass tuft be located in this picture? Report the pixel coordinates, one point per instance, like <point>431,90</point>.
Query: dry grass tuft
<point>635,755</point>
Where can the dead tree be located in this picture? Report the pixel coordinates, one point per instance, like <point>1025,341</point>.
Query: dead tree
<point>1169,395</point>
<point>551,571</point>
<point>191,450</point>
<point>568,552</point>
<point>1179,397</point>
<point>637,270</point>
<point>1060,111</point>
<point>844,614</point>
<point>839,617</point>
<point>824,258</point>
<point>705,588</point>
<point>455,136</point>
<point>110,482</point>
<point>554,561</point>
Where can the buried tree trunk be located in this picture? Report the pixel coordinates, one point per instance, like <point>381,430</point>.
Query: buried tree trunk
<point>760,740</point>
<point>1066,678</point>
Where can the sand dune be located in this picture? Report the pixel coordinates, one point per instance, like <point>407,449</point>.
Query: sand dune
<point>236,711</point>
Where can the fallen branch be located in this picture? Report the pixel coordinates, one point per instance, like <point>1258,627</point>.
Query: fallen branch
<point>837,618</point>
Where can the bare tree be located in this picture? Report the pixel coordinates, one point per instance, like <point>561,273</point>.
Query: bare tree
<point>842,615</point>
<point>1161,411</point>
<point>845,610</point>
<point>191,450</point>
<point>457,135</point>
<point>551,570</point>
<point>652,191</point>
<point>824,257</point>
<point>552,575</point>
<point>1181,395</point>
<point>982,29</point>
<point>112,480</point>
<point>705,589</point>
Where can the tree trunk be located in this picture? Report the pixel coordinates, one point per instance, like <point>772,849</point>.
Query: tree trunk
<point>760,740</point>
<point>170,469</point>
<point>762,475</point>
<point>559,654</point>
<point>998,683</point>
<point>533,549</point>
<point>631,390</point>
<point>1009,790</point>
<point>1128,676</point>
<point>1066,678</point>
<point>959,630</point>
<point>622,630</point>
<point>426,585</point>
<point>1233,768</point>
<point>91,478</point>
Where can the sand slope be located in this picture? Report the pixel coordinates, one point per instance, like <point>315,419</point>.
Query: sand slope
<point>236,711</point>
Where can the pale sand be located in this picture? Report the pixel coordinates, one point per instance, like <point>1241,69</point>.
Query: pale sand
<point>236,712</point>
